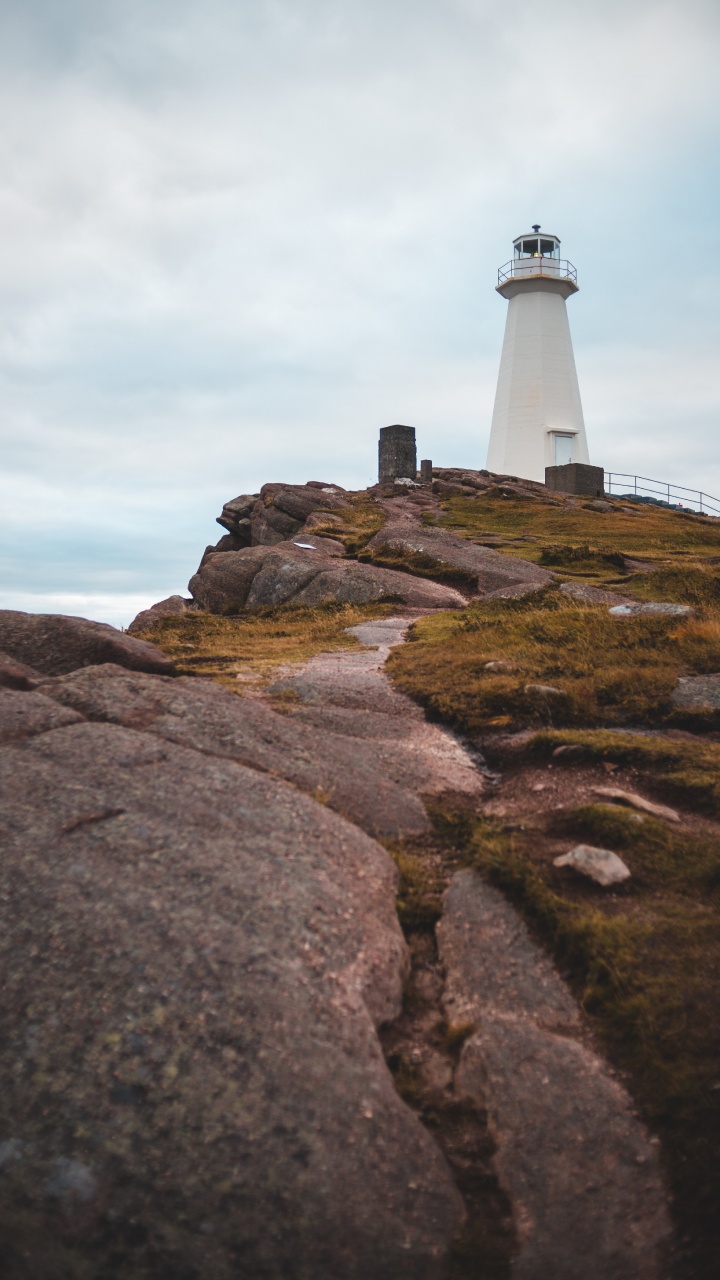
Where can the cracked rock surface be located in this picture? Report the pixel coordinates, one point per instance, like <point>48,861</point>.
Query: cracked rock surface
<point>195,956</point>
<point>579,1169</point>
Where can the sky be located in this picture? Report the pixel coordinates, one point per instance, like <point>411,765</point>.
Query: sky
<point>240,236</point>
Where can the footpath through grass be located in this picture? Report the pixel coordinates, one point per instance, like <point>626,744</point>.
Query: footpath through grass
<point>248,648</point>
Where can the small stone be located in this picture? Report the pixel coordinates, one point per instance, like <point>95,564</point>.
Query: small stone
<point>601,865</point>
<point>697,692</point>
<point>498,665</point>
<point>539,786</point>
<point>546,690</point>
<point>635,801</point>
<point>651,610</point>
<point>570,751</point>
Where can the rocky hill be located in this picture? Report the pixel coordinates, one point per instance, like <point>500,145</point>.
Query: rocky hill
<point>317,964</point>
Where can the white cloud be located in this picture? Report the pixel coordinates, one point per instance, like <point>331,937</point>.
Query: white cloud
<point>243,236</point>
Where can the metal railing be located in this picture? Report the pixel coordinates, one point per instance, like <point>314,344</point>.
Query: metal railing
<point>659,492</point>
<point>522,268</point>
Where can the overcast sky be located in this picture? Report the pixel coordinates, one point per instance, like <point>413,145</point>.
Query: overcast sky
<point>240,236</point>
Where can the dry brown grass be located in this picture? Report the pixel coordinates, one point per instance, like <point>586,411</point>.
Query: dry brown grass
<point>244,651</point>
<point>652,533</point>
<point>609,671</point>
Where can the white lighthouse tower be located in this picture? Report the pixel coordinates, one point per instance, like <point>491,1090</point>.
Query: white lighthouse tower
<point>537,420</point>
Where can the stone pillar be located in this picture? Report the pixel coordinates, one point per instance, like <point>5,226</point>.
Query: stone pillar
<point>397,454</point>
<point>576,477</point>
<point>426,471</point>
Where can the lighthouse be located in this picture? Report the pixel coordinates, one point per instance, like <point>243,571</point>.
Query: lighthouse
<point>537,420</point>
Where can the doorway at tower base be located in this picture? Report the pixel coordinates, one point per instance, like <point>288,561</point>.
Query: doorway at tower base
<point>576,477</point>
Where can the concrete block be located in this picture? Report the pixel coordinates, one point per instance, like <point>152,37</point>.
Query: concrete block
<point>397,453</point>
<point>576,477</point>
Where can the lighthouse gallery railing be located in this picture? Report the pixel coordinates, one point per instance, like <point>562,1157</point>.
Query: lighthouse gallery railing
<point>522,268</point>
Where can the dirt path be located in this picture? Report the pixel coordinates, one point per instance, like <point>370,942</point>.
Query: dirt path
<point>558,1176</point>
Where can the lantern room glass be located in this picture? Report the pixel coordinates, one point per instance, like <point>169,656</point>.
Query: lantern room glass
<point>537,247</point>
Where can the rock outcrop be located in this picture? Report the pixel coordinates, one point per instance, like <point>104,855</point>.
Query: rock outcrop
<point>172,607</point>
<point>196,956</point>
<point>55,644</point>
<point>289,574</point>
<point>490,570</point>
<point>277,513</point>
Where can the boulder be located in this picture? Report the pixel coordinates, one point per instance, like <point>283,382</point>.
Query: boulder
<point>56,643</point>
<point>320,519</point>
<point>651,610</point>
<point>601,865</point>
<point>237,509</point>
<point>545,690</point>
<point>196,957</point>
<point>281,510</point>
<point>697,693</point>
<point>300,501</point>
<point>289,573</point>
<point>172,607</point>
<point>584,593</point>
<point>269,526</point>
<point>491,569</point>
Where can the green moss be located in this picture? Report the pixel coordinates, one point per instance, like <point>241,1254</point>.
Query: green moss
<point>420,565</point>
<point>609,671</point>
<point>652,534</point>
<point>583,559</point>
<point>645,967</point>
<point>686,584</point>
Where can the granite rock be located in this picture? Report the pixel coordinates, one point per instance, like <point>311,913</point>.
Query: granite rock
<point>288,573</point>
<point>697,693</point>
<point>601,865</point>
<point>490,569</point>
<point>196,956</point>
<point>56,643</point>
<point>172,607</point>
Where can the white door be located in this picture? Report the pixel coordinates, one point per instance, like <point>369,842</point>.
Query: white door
<point>563,449</point>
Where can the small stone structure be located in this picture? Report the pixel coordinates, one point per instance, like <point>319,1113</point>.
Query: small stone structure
<point>576,477</point>
<point>397,454</point>
<point>426,471</point>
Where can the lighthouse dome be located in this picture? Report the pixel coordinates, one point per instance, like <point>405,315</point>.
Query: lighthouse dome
<point>537,244</point>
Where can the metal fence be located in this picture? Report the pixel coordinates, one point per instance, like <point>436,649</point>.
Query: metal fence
<point>660,493</point>
<point>522,268</point>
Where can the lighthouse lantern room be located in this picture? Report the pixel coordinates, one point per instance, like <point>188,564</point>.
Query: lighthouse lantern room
<point>537,420</point>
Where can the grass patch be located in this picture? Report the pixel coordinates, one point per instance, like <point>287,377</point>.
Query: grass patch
<point>654,534</point>
<point>254,643</point>
<point>686,584</point>
<point>583,560</point>
<point>361,522</point>
<point>610,671</point>
<point>687,771</point>
<point>645,966</point>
